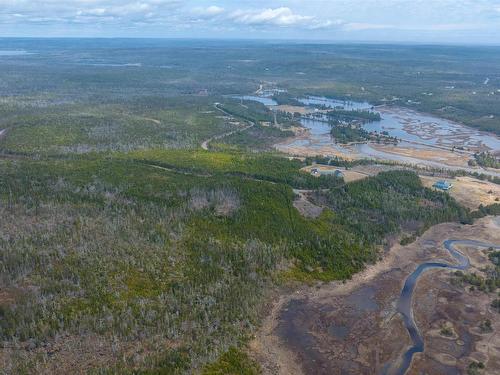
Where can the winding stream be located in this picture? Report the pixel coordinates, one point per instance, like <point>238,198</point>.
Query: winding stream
<point>405,300</point>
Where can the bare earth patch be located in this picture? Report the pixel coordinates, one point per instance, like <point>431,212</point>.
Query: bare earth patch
<point>432,154</point>
<point>306,144</point>
<point>304,206</point>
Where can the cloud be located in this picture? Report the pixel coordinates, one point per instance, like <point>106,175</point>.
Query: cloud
<point>282,17</point>
<point>279,17</point>
<point>210,11</point>
<point>92,12</point>
<point>79,11</point>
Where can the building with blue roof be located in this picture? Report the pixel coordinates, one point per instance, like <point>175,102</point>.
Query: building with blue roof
<point>443,185</point>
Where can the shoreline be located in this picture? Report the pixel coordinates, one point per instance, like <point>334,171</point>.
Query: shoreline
<point>431,157</point>
<point>390,105</point>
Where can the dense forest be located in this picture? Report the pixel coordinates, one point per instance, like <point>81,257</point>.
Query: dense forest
<point>350,116</point>
<point>389,203</point>
<point>349,133</point>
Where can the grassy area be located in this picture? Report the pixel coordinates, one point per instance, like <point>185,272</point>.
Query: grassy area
<point>233,362</point>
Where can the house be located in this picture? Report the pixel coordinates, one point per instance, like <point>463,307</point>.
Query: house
<point>443,185</point>
<point>326,172</point>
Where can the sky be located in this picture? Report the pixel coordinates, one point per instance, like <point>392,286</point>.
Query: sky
<point>425,21</point>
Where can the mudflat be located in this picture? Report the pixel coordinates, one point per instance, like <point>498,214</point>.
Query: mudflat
<point>354,327</point>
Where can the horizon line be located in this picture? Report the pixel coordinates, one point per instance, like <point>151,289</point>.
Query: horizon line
<point>281,40</point>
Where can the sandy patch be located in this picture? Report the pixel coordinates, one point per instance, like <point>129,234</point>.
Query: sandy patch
<point>294,109</point>
<point>298,149</point>
<point>431,154</point>
<point>305,144</point>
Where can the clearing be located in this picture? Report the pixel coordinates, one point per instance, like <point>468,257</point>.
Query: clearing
<point>469,191</point>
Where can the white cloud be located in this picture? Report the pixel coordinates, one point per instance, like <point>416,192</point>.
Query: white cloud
<point>270,17</point>
<point>69,11</point>
<point>266,18</point>
<point>279,17</point>
<point>92,12</point>
<point>210,11</point>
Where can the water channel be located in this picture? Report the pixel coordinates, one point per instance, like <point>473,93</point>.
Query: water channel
<point>405,307</point>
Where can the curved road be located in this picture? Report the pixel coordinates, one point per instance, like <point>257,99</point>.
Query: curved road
<point>205,144</point>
